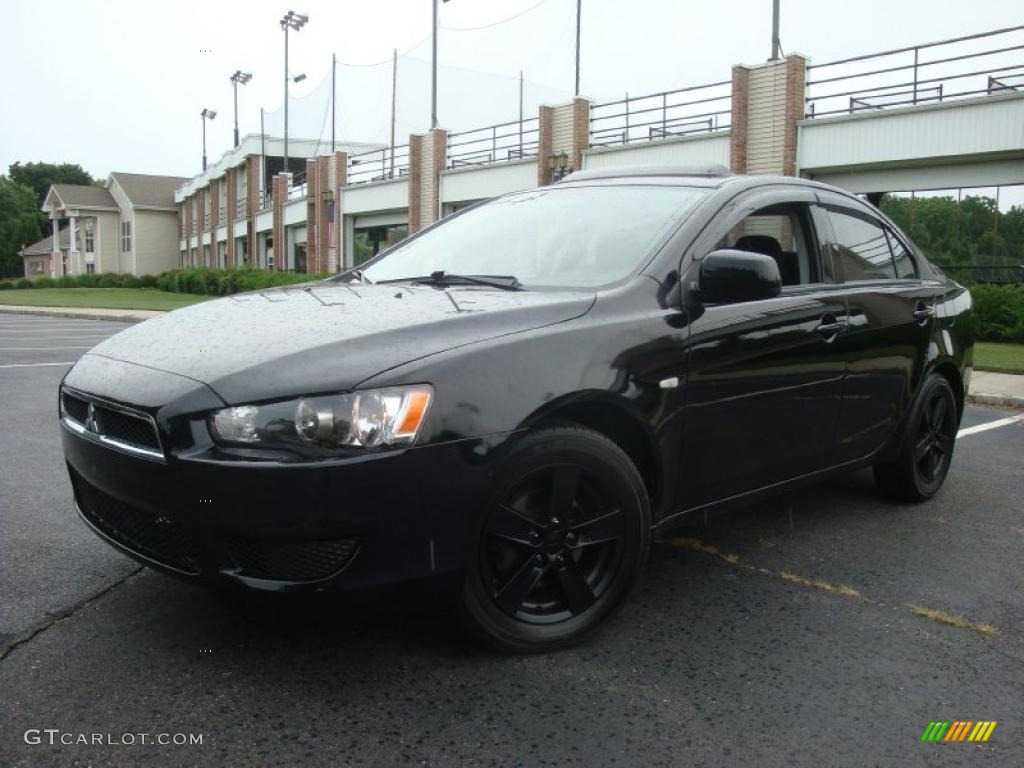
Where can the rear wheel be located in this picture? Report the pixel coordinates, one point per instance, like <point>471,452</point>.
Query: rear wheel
<point>927,450</point>
<point>562,541</point>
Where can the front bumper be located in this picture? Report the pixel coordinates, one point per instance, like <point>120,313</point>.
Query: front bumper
<point>350,524</point>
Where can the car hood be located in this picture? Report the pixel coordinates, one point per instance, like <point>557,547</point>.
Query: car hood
<point>328,337</point>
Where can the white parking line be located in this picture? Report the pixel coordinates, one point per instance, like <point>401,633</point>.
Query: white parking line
<point>15,349</point>
<point>32,365</point>
<point>76,337</point>
<point>990,425</point>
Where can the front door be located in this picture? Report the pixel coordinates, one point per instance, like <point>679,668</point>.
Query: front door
<point>890,321</point>
<point>764,378</point>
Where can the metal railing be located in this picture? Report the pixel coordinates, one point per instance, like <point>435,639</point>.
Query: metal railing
<point>242,206</point>
<point>264,199</point>
<point>378,165</point>
<point>669,114</point>
<point>516,140</point>
<point>957,68</point>
<point>299,187</point>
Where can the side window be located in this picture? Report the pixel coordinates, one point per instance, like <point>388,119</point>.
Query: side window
<point>861,247</point>
<point>781,231</point>
<point>904,261</point>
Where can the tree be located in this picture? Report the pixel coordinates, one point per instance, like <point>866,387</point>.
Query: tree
<point>19,224</point>
<point>39,176</point>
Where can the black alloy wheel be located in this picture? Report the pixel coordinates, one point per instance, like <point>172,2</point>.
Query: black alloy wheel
<point>562,541</point>
<point>927,451</point>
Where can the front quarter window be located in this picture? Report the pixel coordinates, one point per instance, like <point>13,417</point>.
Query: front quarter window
<point>559,236</point>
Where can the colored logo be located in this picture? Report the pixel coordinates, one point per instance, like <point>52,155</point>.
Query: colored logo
<point>959,730</point>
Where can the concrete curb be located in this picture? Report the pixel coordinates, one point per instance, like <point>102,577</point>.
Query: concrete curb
<point>1002,401</point>
<point>121,316</point>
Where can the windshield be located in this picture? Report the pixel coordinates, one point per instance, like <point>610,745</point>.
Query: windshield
<point>566,237</point>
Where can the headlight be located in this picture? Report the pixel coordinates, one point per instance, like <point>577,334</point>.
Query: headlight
<point>367,419</point>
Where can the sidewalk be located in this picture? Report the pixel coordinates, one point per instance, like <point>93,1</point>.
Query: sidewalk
<point>85,313</point>
<point>1003,389</point>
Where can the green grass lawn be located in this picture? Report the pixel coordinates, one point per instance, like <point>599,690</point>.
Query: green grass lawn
<point>1006,358</point>
<point>104,298</point>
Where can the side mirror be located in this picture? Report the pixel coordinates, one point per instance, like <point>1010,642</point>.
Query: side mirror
<point>728,276</point>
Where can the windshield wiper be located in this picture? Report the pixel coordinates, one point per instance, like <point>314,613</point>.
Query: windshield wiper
<point>505,282</point>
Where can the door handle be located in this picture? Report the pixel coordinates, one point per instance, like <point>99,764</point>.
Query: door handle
<point>923,313</point>
<point>830,327</point>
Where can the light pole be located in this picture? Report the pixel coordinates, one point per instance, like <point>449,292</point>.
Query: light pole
<point>206,114</point>
<point>237,79</point>
<point>775,30</point>
<point>296,21</point>
<point>433,71</point>
<point>579,18</point>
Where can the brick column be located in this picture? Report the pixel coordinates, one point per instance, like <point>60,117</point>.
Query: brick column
<point>580,131</point>
<point>201,196</point>
<point>428,155</point>
<point>252,194</point>
<point>415,179</point>
<point>545,123</point>
<point>738,132</point>
<point>189,205</point>
<point>214,222</point>
<point>336,252</point>
<point>796,77</point>
<point>767,105</point>
<point>231,211</point>
<point>322,198</point>
<point>279,200</point>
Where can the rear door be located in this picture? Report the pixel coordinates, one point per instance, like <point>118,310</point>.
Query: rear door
<point>764,377</point>
<point>889,324</point>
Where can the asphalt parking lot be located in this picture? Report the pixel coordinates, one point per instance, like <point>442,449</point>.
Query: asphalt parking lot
<point>810,630</point>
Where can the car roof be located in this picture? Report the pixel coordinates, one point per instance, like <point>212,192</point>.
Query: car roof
<point>708,176</point>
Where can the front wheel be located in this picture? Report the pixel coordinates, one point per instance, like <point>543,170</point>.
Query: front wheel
<point>562,541</point>
<point>927,450</point>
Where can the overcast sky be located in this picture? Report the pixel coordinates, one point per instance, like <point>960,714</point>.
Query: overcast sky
<point>119,84</point>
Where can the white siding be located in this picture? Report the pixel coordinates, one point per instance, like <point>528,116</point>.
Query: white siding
<point>384,196</point>
<point>712,149</point>
<point>428,187</point>
<point>469,184</point>
<point>953,129</point>
<point>561,130</point>
<point>155,242</point>
<point>766,130</point>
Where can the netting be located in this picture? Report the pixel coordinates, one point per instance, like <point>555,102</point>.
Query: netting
<point>534,42</point>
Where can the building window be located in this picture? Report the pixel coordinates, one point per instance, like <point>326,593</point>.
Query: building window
<point>90,268</point>
<point>126,237</point>
<point>35,267</point>
<point>90,238</point>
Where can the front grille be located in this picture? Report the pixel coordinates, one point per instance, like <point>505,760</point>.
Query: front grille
<point>132,430</point>
<point>159,538</point>
<point>291,560</point>
<point>76,407</point>
<point>128,429</point>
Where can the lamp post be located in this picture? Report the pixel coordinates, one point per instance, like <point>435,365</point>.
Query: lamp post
<point>237,79</point>
<point>206,114</point>
<point>433,70</point>
<point>579,18</point>
<point>296,21</point>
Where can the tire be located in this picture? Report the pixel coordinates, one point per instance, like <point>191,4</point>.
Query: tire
<point>926,450</point>
<point>562,540</point>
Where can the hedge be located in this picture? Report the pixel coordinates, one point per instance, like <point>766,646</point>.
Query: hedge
<point>998,313</point>
<point>207,281</point>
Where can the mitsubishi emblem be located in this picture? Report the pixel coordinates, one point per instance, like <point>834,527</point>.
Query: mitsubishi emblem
<point>90,419</point>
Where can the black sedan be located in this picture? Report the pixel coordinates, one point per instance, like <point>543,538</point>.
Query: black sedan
<point>512,402</point>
